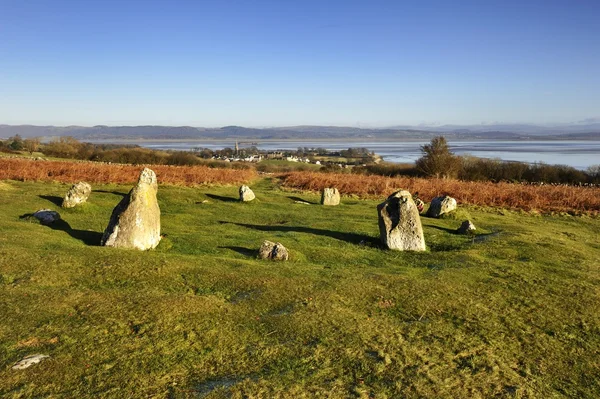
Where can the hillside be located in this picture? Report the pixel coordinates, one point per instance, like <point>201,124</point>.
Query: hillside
<point>510,312</point>
<point>498,132</point>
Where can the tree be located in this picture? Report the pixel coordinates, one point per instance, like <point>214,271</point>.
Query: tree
<point>437,160</point>
<point>16,143</point>
<point>31,145</point>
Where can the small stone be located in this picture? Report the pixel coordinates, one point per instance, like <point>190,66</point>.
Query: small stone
<point>246,194</point>
<point>400,224</point>
<point>77,194</point>
<point>330,196</point>
<point>441,205</point>
<point>302,202</point>
<point>28,361</point>
<point>273,251</point>
<point>420,204</point>
<point>466,227</point>
<point>46,216</point>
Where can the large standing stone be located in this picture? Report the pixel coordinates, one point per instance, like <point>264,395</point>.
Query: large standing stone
<point>273,251</point>
<point>246,194</point>
<point>77,194</point>
<point>441,205</point>
<point>330,196</point>
<point>135,221</point>
<point>400,224</point>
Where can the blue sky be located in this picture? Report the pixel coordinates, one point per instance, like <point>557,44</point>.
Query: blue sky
<point>277,63</point>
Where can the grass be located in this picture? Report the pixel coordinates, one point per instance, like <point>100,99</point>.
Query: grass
<point>511,312</point>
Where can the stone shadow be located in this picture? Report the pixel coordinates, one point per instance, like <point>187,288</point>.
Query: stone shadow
<point>221,198</point>
<point>352,238</point>
<point>447,230</point>
<point>91,238</point>
<point>242,250</point>
<point>52,198</point>
<point>302,200</point>
<point>110,192</point>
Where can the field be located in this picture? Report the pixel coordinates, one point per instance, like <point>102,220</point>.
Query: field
<point>513,312</point>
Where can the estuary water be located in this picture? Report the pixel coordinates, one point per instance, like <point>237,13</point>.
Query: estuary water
<point>577,153</point>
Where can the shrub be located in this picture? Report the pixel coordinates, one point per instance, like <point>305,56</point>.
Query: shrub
<point>437,160</point>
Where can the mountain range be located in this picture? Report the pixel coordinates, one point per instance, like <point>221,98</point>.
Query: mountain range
<point>585,130</point>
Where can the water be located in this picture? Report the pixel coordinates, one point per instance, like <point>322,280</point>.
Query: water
<point>576,153</point>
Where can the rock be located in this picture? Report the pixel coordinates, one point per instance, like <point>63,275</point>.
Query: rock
<point>330,196</point>
<point>441,205</point>
<point>400,224</point>
<point>246,194</point>
<point>466,227</point>
<point>302,202</point>
<point>420,204</point>
<point>46,216</point>
<point>28,361</point>
<point>273,251</point>
<point>77,194</point>
<point>135,221</point>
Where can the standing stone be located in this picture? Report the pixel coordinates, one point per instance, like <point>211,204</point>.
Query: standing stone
<point>246,194</point>
<point>441,205</point>
<point>273,251</point>
<point>77,194</point>
<point>135,221</point>
<point>400,224</point>
<point>466,227</point>
<point>330,196</point>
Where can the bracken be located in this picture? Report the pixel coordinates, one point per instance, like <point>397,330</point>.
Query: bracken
<point>545,198</point>
<point>95,172</point>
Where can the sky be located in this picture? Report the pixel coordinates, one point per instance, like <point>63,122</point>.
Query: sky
<point>282,63</point>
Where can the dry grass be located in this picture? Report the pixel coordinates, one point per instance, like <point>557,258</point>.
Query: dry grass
<point>544,198</point>
<point>93,172</point>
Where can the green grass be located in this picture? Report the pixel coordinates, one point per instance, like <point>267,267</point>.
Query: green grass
<point>511,312</point>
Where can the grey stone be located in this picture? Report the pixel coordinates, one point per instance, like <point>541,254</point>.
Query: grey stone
<point>135,221</point>
<point>246,194</point>
<point>273,251</point>
<point>46,216</point>
<point>400,224</point>
<point>441,205</point>
<point>466,227</point>
<point>330,196</point>
<point>77,194</point>
<point>28,361</point>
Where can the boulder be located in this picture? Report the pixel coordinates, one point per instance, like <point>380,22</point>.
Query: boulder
<point>246,194</point>
<point>46,216</point>
<point>77,194</point>
<point>273,251</point>
<point>466,227</point>
<point>441,205</point>
<point>400,224</point>
<point>135,221</point>
<point>330,196</point>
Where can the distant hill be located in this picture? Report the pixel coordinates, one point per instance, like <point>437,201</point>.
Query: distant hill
<point>581,131</point>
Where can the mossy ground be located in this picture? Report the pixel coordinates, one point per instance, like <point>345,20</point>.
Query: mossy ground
<point>512,312</point>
